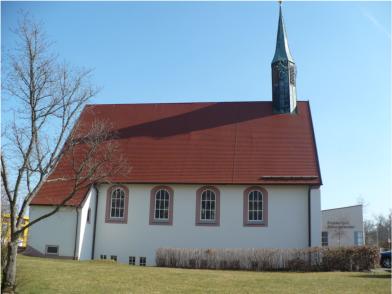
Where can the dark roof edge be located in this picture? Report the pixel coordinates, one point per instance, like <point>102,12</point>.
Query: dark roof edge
<point>272,183</point>
<point>47,204</point>
<point>183,102</point>
<point>342,207</point>
<point>314,143</point>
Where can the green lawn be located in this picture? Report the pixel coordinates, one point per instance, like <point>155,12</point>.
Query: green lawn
<point>40,275</point>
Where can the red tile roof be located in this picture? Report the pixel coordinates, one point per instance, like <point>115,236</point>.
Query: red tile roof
<point>206,143</point>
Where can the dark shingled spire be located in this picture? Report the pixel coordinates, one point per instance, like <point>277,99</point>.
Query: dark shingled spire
<point>284,95</point>
<point>282,51</point>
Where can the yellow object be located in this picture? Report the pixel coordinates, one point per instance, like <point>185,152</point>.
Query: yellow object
<point>5,231</point>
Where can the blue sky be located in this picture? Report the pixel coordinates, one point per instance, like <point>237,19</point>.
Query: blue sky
<point>145,52</point>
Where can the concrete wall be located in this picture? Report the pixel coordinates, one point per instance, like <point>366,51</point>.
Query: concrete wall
<point>287,222</point>
<point>341,225</point>
<point>85,232</point>
<point>58,229</point>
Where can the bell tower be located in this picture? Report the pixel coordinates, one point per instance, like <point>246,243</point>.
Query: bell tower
<point>284,72</point>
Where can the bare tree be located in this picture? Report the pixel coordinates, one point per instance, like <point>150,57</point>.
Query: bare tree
<point>45,98</point>
<point>378,230</point>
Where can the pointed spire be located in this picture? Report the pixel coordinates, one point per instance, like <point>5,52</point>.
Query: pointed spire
<point>284,72</point>
<point>282,51</point>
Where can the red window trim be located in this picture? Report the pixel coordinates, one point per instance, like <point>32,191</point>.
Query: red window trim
<point>200,222</point>
<point>263,223</point>
<point>152,220</point>
<point>123,220</point>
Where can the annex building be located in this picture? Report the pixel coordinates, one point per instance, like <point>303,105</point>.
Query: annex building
<point>202,175</point>
<point>342,226</point>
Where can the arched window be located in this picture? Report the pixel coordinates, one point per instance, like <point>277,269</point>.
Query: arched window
<point>117,205</point>
<point>255,206</point>
<point>161,205</point>
<point>207,206</point>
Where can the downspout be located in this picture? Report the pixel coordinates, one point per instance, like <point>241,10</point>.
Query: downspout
<point>76,233</point>
<point>95,222</point>
<point>309,219</point>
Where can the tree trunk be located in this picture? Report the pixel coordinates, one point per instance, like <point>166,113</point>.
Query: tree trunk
<point>9,272</point>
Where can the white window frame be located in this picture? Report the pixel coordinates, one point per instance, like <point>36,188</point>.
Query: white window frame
<point>210,210</point>
<point>166,205</point>
<point>261,211</point>
<point>120,208</point>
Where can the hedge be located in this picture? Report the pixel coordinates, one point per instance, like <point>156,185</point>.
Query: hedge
<point>356,258</point>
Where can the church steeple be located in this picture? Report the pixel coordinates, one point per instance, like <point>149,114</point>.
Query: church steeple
<point>284,96</point>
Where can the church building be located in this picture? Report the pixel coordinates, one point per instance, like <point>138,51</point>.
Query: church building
<point>202,175</point>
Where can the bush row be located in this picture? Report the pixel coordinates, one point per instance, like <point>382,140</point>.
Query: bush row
<point>356,258</point>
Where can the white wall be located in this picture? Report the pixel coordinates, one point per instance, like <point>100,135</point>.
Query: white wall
<point>341,223</point>
<point>287,223</point>
<point>58,229</point>
<point>315,206</point>
<point>85,233</point>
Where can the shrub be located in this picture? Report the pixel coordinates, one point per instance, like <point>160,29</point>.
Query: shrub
<point>356,258</point>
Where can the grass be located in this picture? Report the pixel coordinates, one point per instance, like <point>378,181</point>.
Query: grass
<point>40,275</point>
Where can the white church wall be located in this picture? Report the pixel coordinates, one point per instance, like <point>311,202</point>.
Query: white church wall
<point>85,232</point>
<point>287,223</point>
<point>56,230</point>
<point>315,204</point>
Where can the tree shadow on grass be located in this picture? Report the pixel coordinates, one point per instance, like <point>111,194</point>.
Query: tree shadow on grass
<point>376,275</point>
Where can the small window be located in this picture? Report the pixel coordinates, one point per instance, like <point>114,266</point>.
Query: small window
<point>103,256</point>
<point>132,260</point>
<point>88,215</point>
<point>324,238</point>
<point>275,75</point>
<point>52,250</point>
<point>358,238</point>
<point>113,257</point>
<point>292,75</point>
<point>142,261</point>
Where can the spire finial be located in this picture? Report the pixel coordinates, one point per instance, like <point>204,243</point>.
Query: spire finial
<point>280,2</point>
